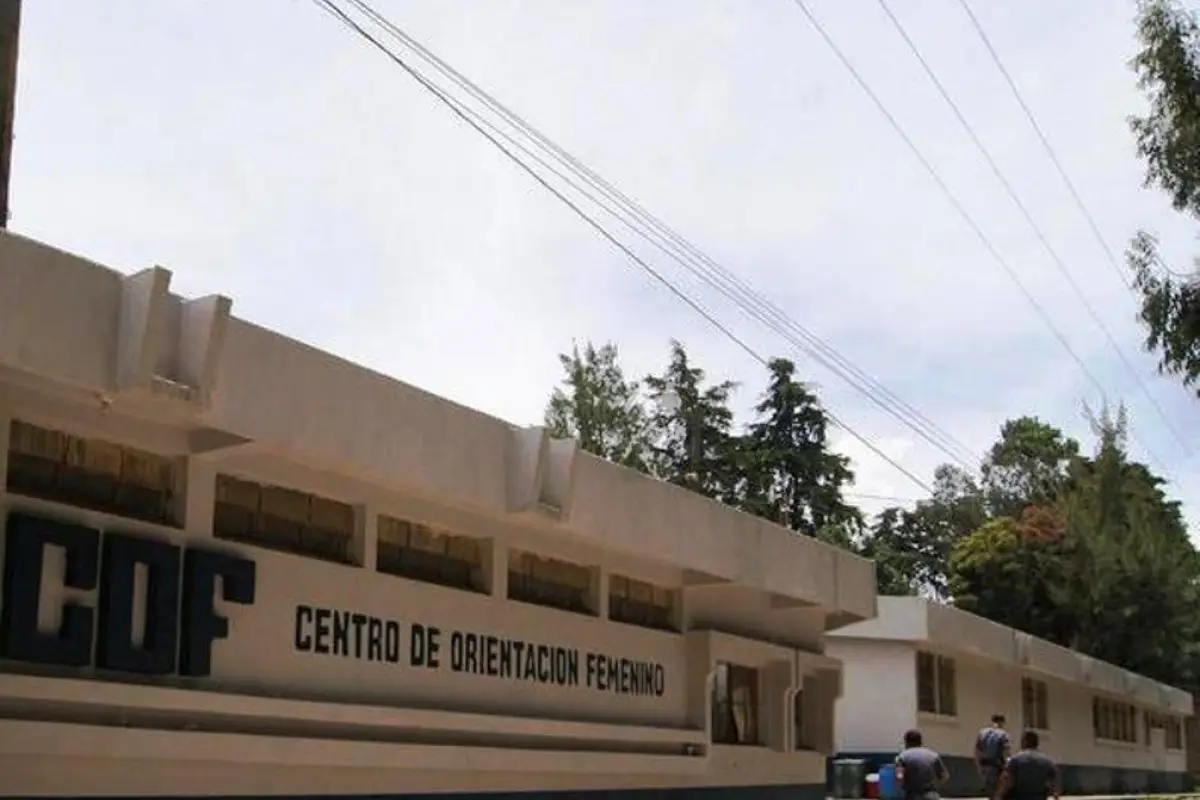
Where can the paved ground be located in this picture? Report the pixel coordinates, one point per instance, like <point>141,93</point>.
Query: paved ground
<point>1189,796</point>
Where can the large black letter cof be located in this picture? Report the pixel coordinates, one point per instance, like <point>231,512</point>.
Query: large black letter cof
<point>26,539</point>
<point>201,624</point>
<point>115,648</point>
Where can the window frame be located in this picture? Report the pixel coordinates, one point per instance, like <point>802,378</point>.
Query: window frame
<point>269,528</point>
<point>799,730</point>
<point>526,585</point>
<point>75,477</point>
<point>725,729</point>
<point>625,607</point>
<point>1174,725</point>
<point>1035,703</point>
<point>1114,722</point>
<point>937,691</point>
<point>430,564</point>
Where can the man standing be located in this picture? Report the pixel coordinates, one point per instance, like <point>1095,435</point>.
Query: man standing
<point>1030,774</point>
<point>992,748</point>
<point>919,770</point>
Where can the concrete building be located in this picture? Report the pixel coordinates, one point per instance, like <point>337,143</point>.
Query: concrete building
<point>946,672</point>
<point>236,565</point>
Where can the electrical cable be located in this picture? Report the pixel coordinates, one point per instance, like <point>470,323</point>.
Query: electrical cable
<point>467,117</point>
<point>1033,225</point>
<point>956,203</point>
<point>1045,140</point>
<point>695,261</point>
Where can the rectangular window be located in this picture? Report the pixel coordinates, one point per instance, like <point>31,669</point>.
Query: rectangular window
<point>926,682</point>
<point>549,582</point>
<point>91,473</point>
<point>801,741</point>
<point>639,603</point>
<point>1115,722</point>
<point>283,519</point>
<point>1174,735</point>
<point>937,684</point>
<point>735,705</point>
<point>420,553</point>
<point>1035,704</point>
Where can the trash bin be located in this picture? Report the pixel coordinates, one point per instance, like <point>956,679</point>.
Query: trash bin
<point>888,790</point>
<point>848,777</point>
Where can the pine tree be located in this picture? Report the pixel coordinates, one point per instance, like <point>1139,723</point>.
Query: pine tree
<point>791,473</point>
<point>600,408</point>
<point>693,434</point>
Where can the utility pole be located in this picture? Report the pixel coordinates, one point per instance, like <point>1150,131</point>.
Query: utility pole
<point>10,34</point>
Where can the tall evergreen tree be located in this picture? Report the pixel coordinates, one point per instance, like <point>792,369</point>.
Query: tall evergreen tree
<point>600,408</point>
<point>693,427</point>
<point>792,474</point>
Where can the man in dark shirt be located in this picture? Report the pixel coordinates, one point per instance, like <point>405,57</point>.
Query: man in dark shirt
<point>992,748</point>
<point>1030,774</point>
<point>919,770</point>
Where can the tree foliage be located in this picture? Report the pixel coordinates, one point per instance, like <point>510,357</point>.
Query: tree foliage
<point>1084,549</point>
<point>600,408</point>
<point>693,441</point>
<point>1168,141</point>
<point>1102,563</point>
<point>780,466</point>
<point>790,475</point>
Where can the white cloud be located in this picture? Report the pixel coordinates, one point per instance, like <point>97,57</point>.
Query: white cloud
<point>260,151</point>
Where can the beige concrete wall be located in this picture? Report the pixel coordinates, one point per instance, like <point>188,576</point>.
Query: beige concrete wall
<point>158,777</point>
<point>984,687</point>
<point>879,694</point>
<point>92,334</point>
<point>92,352</point>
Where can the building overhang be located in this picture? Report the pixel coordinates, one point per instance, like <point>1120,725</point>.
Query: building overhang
<point>219,387</point>
<point>952,631</point>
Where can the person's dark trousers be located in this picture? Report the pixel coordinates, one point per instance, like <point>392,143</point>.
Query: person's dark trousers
<point>991,777</point>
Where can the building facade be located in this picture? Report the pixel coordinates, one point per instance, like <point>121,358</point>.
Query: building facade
<point>234,565</point>
<point>946,672</point>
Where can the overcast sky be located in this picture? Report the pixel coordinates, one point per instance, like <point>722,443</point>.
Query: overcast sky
<point>259,150</point>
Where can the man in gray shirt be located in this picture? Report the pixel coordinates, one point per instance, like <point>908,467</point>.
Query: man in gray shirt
<point>1030,774</point>
<point>992,748</point>
<point>919,770</point>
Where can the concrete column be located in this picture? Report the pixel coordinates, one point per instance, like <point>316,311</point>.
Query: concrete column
<point>699,667</point>
<point>5,425</point>
<point>679,617</point>
<point>598,596</point>
<point>198,495</point>
<point>495,566</point>
<point>774,707</point>
<point>364,550</point>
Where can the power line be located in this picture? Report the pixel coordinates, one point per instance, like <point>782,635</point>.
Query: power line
<point>1045,140</point>
<point>955,202</point>
<point>685,253</point>
<point>1041,236</point>
<point>468,118</point>
<point>887,498</point>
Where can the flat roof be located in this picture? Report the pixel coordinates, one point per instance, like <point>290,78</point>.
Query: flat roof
<point>951,630</point>
<point>86,332</point>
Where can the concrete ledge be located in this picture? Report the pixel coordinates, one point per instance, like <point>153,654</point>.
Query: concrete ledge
<point>67,741</point>
<point>196,706</point>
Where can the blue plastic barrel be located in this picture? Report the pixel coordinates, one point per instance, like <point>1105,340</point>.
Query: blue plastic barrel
<point>887,782</point>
